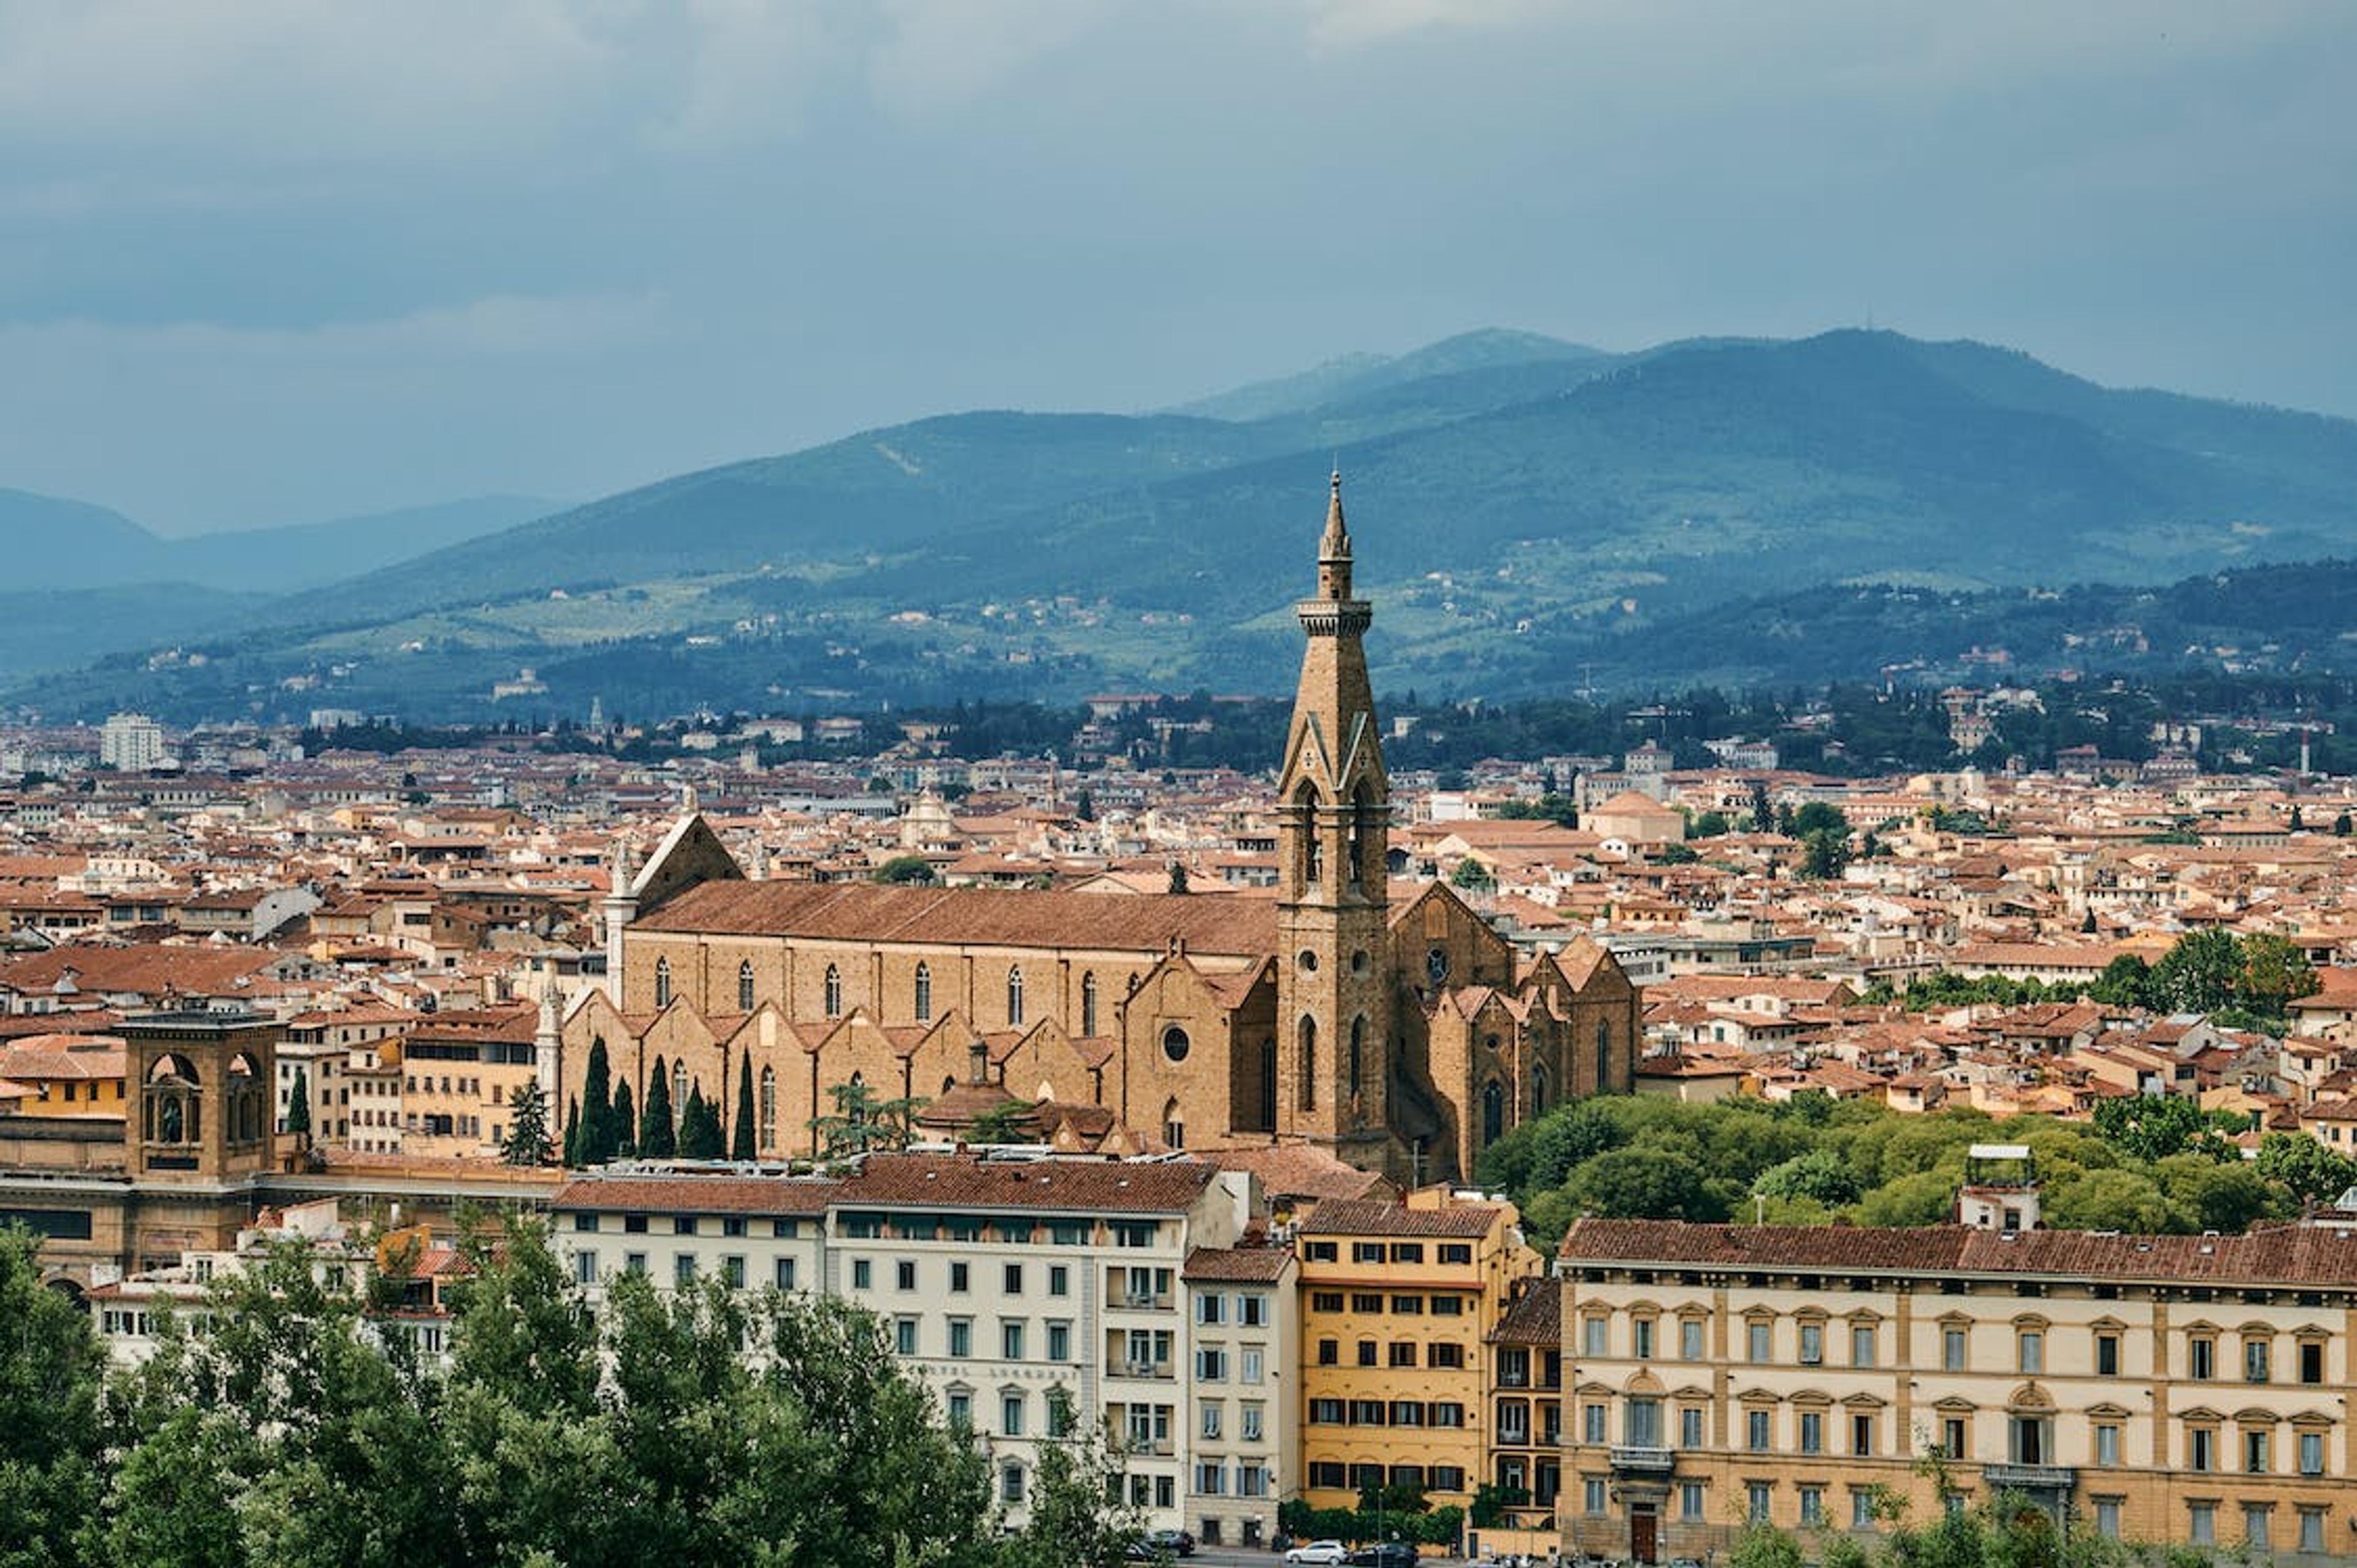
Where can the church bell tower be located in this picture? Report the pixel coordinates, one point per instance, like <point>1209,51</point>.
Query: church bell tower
<point>1334,999</point>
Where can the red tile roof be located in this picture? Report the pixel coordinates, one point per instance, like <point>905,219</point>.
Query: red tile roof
<point>1207,923</point>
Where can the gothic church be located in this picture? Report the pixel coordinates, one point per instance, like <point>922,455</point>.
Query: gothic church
<point>1403,1039</point>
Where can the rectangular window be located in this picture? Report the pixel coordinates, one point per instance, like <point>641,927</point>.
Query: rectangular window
<point>584,1268</point>
<point>585,1222</point>
<point>1758,1337</point>
<point>1317,1251</point>
<point>1210,1364</point>
<point>1253,1414</point>
<point>1060,1342</point>
<point>1010,1341</point>
<point>958,1275</point>
<point>1011,1279</point>
<point>1951,1437</point>
<point>785,1273</point>
<point>1403,1353</point>
<point>1407,1305</point>
<point>683,1224</point>
<point>1369,1355</point>
<point>1325,1301</point>
<point>683,1269</point>
<point>1366,1300</point>
<point>1592,1497</point>
<point>1252,1311</point>
<point>1861,1435</point>
<point>1366,1252</point>
<point>1812,1505</point>
<point>2311,1453</point>
<point>2107,1518</point>
<point>1812,1344</point>
<point>863,1272</point>
<point>1861,1345</point>
<point>1591,1424</point>
<point>2032,1344</point>
<point>2201,1358</point>
<point>1060,1280</point>
<point>1690,1339</point>
<point>904,1274</point>
<point>2255,1453</point>
<point>1690,1427</point>
<point>1251,1367</point>
<point>2201,1448</point>
<point>1591,1336</point>
<point>1408,1252</point>
<point>961,1338</point>
<point>1756,1495</point>
<point>1445,1354</point>
<point>2255,1361</point>
<point>636,1263</point>
<point>2311,1530</point>
<point>2107,1442</point>
<point>1446,1305</point>
<point>1812,1432</point>
<point>2108,1355</point>
<point>1456,1252</point>
<point>2201,1523</point>
<point>1641,1338</point>
<point>1690,1503</point>
<point>1325,1413</point>
<point>904,1336</point>
<point>1755,1430</point>
<point>1329,1352</point>
<point>2312,1360</point>
<point>1211,1307</point>
<point>1861,1508</point>
<point>1952,1349</point>
<point>1010,1414</point>
<point>1211,1417</point>
<point>2258,1528</point>
<point>732,1272</point>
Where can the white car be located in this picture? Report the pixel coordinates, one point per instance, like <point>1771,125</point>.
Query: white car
<point>1324,1551</point>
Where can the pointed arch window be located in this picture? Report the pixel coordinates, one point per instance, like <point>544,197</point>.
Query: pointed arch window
<point>663,982</point>
<point>1493,1111</point>
<point>832,992</point>
<point>1363,814</point>
<point>1358,1050</point>
<point>678,1093</point>
<point>769,1107</point>
<point>1089,1005</point>
<point>1538,1087</point>
<point>745,986</point>
<point>1312,853</point>
<point>1014,995</point>
<point>1603,1057</point>
<point>924,993</point>
<point>1308,1034</point>
<point>1174,1125</point>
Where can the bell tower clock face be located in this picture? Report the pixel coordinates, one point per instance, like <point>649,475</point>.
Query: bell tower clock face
<point>1435,964</point>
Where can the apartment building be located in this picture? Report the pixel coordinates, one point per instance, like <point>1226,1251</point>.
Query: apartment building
<point>999,1278</point>
<point>1247,1342</point>
<point>1400,1302</point>
<point>2188,1389</point>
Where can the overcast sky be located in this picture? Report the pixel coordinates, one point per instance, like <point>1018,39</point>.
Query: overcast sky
<point>265,261</point>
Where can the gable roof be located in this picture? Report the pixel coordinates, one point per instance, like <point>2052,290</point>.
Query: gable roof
<point>970,917</point>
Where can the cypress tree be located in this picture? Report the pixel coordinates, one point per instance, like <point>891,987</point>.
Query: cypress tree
<point>298,1103</point>
<point>740,1147</point>
<point>625,1123</point>
<point>597,1142</point>
<point>657,1139</point>
<point>699,1128</point>
<point>573,1131</point>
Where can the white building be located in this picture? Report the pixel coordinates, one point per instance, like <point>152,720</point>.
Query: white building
<point>130,743</point>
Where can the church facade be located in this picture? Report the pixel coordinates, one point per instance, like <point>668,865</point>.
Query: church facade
<point>1404,1038</point>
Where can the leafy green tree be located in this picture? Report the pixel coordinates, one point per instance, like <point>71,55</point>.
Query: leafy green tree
<point>658,1129</point>
<point>1644,1183</point>
<point>2341,826</point>
<point>1764,1546</point>
<point>1080,1518</point>
<point>2226,1196</point>
<point>740,1141</point>
<point>2152,1127</point>
<point>2127,982</point>
<point>1925,1198</point>
<point>861,1121</point>
<point>1818,817</point>
<point>2274,974</point>
<point>2200,973</point>
<point>1008,1122</point>
<point>299,1102</point>
<point>2114,1200</point>
<point>1471,875</point>
<point>527,1141</point>
<point>2304,1167</point>
<point>1823,855</point>
<point>1821,1176</point>
<point>1710,825</point>
<point>1085,806</point>
<point>1178,880</point>
<point>906,869</point>
<point>50,1364</point>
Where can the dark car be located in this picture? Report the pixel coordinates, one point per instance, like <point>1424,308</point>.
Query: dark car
<point>1385,1555</point>
<point>1178,1542</point>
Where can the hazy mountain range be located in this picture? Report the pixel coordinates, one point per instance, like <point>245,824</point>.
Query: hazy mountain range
<point>1529,513</point>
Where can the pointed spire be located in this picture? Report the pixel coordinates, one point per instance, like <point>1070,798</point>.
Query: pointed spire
<point>1334,549</point>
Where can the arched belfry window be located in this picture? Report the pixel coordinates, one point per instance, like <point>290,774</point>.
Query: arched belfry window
<point>1014,995</point>
<point>1308,1034</point>
<point>924,993</point>
<point>745,986</point>
<point>832,992</point>
<point>173,1110</point>
<point>245,1110</point>
<point>1089,1005</point>
<point>1493,1111</point>
<point>1313,850</point>
<point>1362,813</point>
<point>663,982</point>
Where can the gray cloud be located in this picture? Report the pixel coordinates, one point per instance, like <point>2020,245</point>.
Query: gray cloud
<point>270,258</point>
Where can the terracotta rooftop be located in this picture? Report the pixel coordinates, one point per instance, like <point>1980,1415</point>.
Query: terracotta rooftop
<point>1361,1217</point>
<point>2281,1255</point>
<point>1242,1265</point>
<point>1536,1318</point>
<point>952,1181</point>
<point>695,1195</point>
<point>979,916</point>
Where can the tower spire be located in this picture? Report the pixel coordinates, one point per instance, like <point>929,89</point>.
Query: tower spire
<point>1334,549</point>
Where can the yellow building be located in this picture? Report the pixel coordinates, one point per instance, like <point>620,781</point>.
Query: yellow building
<point>65,1075</point>
<point>1399,1303</point>
<point>2184,1389</point>
<point>460,1072</point>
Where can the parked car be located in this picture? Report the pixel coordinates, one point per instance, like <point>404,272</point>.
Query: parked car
<point>1329,1552</point>
<point>1385,1555</point>
<point>1178,1542</point>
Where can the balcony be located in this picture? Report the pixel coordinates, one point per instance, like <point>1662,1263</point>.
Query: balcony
<point>1629,1459</point>
<point>2031,1477</point>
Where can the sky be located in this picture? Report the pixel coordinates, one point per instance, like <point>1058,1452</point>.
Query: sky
<point>271,261</point>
